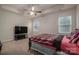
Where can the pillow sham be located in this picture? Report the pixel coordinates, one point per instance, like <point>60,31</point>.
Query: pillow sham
<point>75,37</point>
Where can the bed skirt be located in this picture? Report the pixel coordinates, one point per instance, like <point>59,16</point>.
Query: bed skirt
<point>42,49</point>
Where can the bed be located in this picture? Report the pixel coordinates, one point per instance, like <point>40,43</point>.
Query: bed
<point>43,43</point>
<point>50,43</point>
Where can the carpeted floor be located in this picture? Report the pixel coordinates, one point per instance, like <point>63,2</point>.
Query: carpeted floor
<point>19,47</point>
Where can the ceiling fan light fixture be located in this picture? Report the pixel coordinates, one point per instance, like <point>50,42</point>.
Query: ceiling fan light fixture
<point>33,8</point>
<point>31,13</point>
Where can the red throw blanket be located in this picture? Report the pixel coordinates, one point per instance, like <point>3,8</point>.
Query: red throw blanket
<point>69,47</point>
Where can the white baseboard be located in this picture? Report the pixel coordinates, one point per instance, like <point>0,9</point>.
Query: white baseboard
<point>7,40</point>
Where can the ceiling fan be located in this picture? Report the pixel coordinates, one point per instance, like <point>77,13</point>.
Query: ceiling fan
<point>33,11</point>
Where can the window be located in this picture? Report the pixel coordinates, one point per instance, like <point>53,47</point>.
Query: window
<point>36,25</point>
<point>65,24</point>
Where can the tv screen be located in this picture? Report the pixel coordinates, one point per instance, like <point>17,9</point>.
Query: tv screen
<point>20,29</point>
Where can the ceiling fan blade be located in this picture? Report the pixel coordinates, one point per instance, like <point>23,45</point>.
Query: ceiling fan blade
<point>26,10</point>
<point>38,11</point>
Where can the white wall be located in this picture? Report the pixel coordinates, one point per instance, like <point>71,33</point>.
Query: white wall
<point>7,22</point>
<point>49,23</point>
<point>77,16</point>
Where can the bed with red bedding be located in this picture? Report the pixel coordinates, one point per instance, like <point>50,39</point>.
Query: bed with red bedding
<point>50,43</point>
<point>43,43</point>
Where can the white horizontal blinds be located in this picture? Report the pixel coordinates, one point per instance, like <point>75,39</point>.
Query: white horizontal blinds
<point>65,24</point>
<point>36,25</point>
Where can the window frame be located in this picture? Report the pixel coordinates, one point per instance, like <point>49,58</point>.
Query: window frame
<point>36,21</point>
<point>64,32</point>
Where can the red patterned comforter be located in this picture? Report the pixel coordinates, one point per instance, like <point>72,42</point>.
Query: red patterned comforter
<point>44,38</point>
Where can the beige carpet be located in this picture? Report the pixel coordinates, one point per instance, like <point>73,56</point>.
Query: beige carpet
<point>19,47</point>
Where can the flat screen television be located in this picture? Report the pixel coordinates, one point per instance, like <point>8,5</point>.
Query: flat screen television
<point>20,29</point>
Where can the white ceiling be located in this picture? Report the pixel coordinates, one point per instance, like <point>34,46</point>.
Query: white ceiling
<point>27,6</point>
<point>45,8</point>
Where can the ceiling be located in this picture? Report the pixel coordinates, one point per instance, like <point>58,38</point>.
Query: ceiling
<point>45,8</point>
